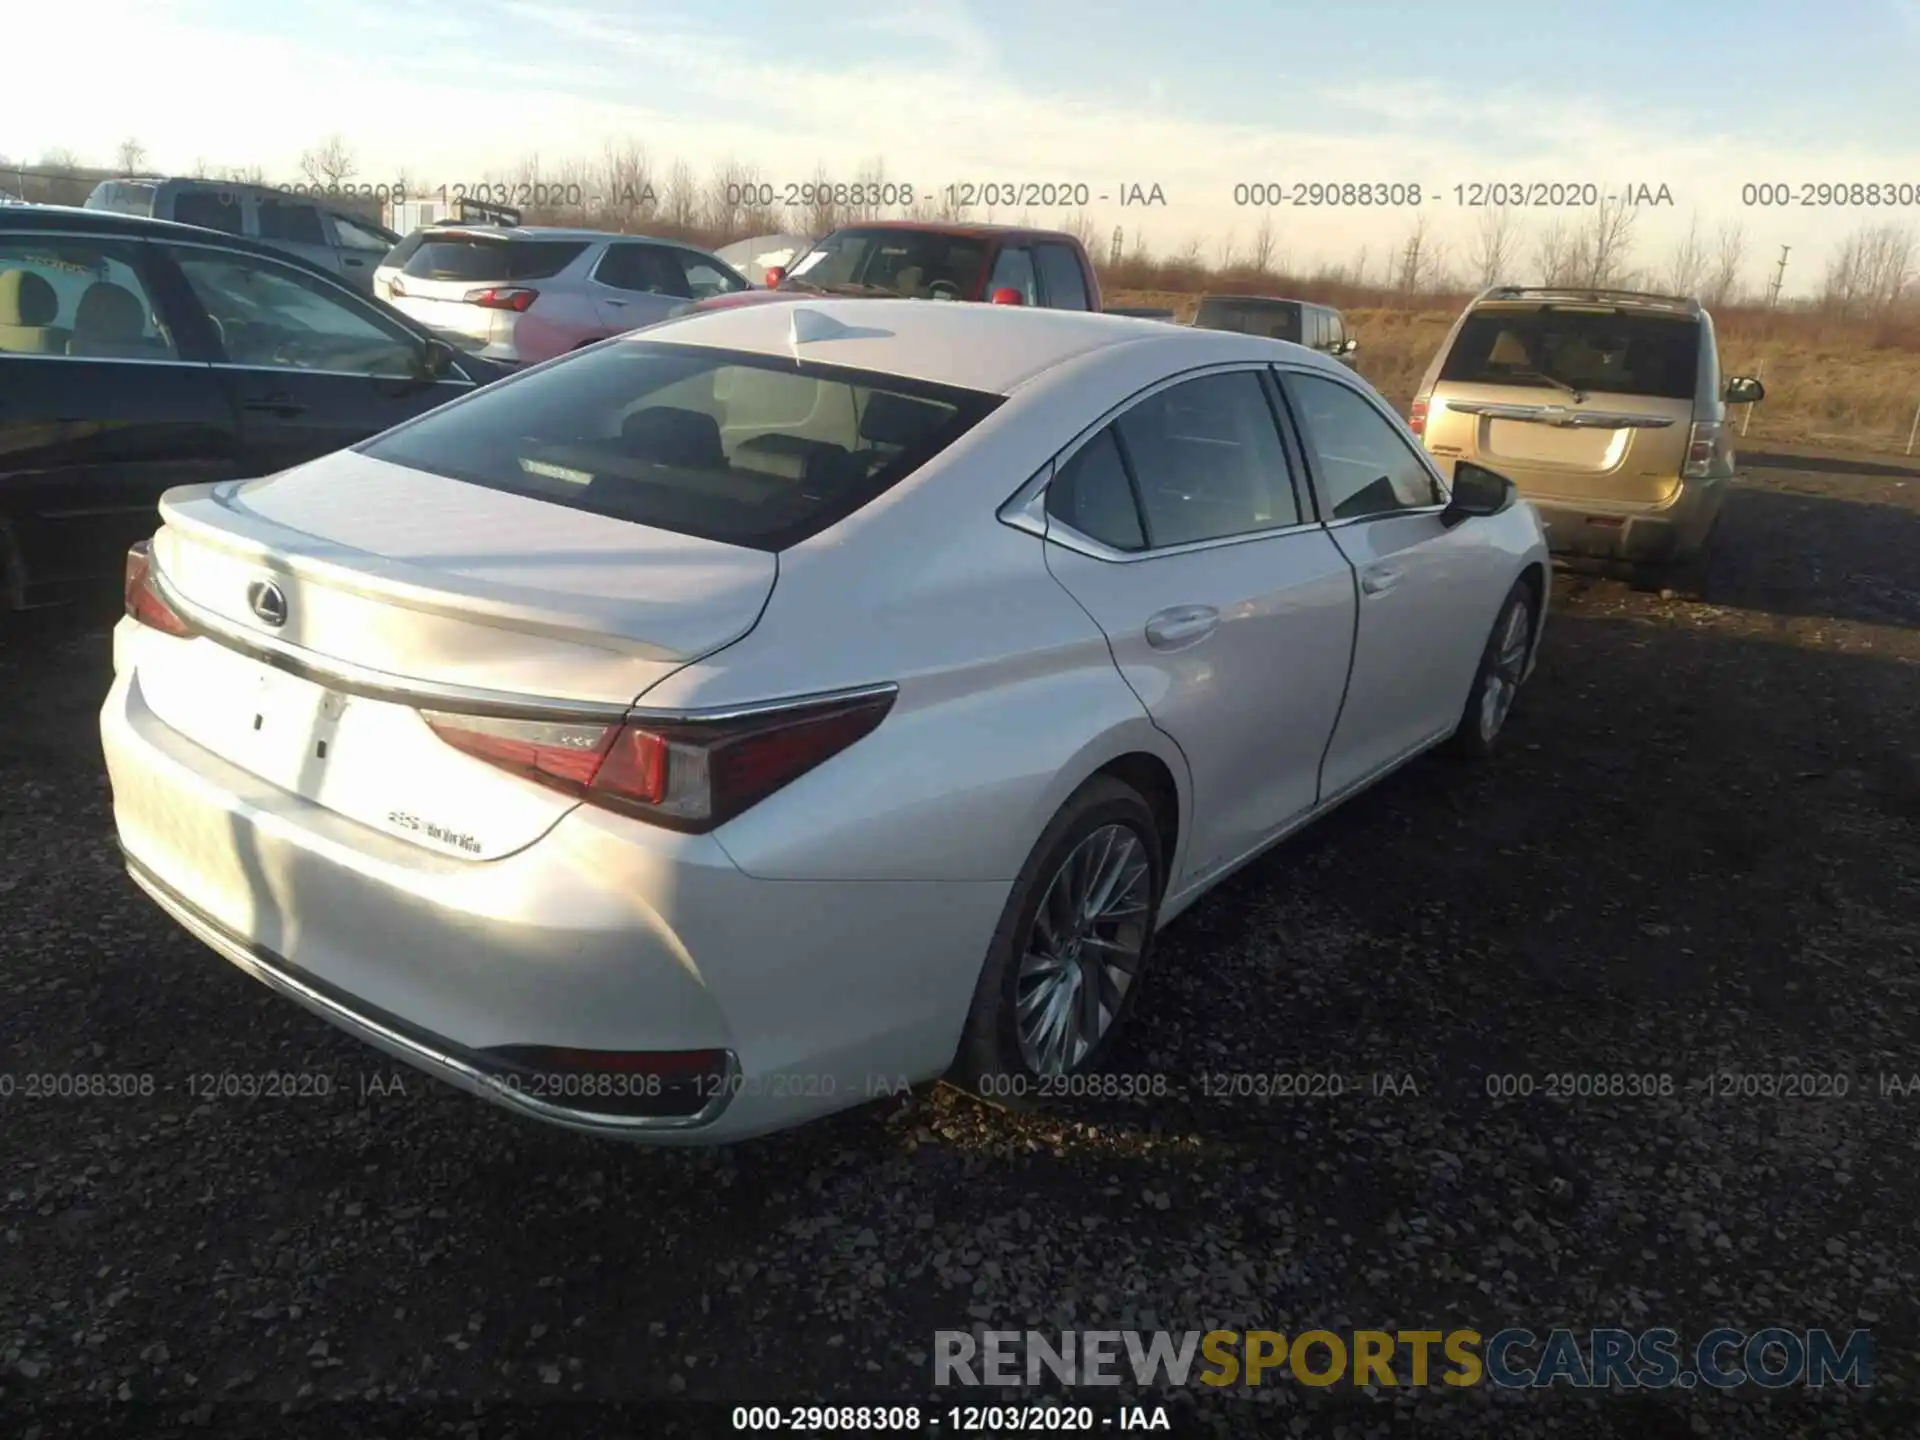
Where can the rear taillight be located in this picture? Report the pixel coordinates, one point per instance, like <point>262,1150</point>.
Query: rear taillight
<point>1705,446</point>
<point>1417,417</point>
<point>502,297</point>
<point>144,601</point>
<point>686,774</point>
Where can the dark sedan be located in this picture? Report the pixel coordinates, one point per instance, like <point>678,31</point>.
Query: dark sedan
<point>139,354</point>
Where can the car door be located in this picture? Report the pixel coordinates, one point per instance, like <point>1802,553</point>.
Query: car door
<point>358,249</point>
<point>1063,284</point>
<point>308,365</point>
<point>104,404</point>
<point>1182,529</point>
<point>636,284</point>
<point>1428,592</point>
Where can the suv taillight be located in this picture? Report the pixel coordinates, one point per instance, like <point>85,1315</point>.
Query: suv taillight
<point>1705,444</point>
<point>502,297</point>
<point>1417,417</point>
<point>692,775</point>
<point>144,602</point>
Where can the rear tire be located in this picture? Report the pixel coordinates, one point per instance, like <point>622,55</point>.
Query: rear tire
<point>1066,961</point>
<point>1503,664</point>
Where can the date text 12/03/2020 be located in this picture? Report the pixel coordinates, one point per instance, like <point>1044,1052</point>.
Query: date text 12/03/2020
<point>1054,1419</point>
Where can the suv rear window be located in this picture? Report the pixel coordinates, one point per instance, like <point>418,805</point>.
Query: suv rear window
<point>1616,352</point>
<point>1275,319</point>
<point>752,450</point>
<point>486,257</point>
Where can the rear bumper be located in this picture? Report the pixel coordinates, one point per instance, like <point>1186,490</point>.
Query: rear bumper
<point>606,934</point>
<point>1673,529</point>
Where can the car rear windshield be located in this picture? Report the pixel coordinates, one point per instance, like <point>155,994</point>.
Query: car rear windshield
<point>1612,351</point>
<point>1275,319</point>
<point>487,257</point>
<point>752,450</point>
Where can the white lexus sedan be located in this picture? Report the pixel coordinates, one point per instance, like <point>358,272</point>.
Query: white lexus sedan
<point>715,728</point>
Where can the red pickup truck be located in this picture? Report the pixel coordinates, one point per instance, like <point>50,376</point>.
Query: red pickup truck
<point>931,260</point>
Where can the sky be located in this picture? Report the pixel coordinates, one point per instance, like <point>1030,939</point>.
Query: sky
<point>1196,98</point>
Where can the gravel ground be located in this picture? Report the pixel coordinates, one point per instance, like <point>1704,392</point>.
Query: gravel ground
<point>1698,855</point>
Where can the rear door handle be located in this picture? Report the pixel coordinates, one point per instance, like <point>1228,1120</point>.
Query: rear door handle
<point>1182,625</point>
<point>1379,580</point>
<point>612,301</point>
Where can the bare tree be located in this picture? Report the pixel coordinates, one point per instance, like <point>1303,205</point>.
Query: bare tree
<point>1604,241</point>
<point>823,213</point>
<point>131,156</point>
<point>680,202</point>
<point>1495,245</point>
<point>1260,251</point>
<point>59,158</point>
<point>1420,262</point>
<point>1080,225</point>
<point>869,188</point>
<point>330,163</point>
<point>1871,271</point>
<point>1554,255</point>
<point>624,188</point>
<point>1223,253</point>
<point>1722,283</point>
<point>1685,272</point>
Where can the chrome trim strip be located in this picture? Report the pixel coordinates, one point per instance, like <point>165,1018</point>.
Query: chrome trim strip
<point>1560,416</point>
<point>276,974</point>
<point>352,679</point>
<point>108,360</point>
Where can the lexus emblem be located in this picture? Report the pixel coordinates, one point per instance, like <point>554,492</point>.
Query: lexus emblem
<point>268,601</point>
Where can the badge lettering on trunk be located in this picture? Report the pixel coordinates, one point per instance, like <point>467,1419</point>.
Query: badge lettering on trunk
<point>268,601</point>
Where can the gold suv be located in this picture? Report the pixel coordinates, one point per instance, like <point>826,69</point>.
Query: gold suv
<point>1605,407</point>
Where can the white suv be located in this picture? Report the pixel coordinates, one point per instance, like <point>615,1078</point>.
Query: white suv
<point>526,293</point>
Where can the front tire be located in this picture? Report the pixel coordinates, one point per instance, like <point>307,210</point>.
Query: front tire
<point>1503,664</point>
<point>1067,958</point>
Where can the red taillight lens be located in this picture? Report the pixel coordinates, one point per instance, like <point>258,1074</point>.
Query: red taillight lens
<point>502,297</point>
<point>144,603</point>
<point>687,775</point>
<point>1704,446</point>
<point>1417,417</point>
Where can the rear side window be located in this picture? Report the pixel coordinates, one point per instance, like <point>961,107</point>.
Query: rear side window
<point>212,209</point>
<point>1092,494</point>
<point>63,295</point>
<point>1655,356</point>
<point>752,450</point>
<point>479,258</point>
<point>123,197</point>
<point>1060,273</point>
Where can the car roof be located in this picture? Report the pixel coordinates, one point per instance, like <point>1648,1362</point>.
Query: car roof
<point>995,349</point>
<point>969,229</point>
<point>477,230</point>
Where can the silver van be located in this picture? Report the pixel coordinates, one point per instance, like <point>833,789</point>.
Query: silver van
<point>339,242</point>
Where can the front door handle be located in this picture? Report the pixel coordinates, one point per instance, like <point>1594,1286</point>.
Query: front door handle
<point>621,303</point>
<point>279,405</point>
<point>1379,580</point>
<point>1182,625</point>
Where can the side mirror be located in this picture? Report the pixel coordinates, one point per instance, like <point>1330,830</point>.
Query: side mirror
<point>775,274</point>
<point>1477,492</point>
<point>1745,390</point>
<point>436,359</point>
<point>1007,295</point>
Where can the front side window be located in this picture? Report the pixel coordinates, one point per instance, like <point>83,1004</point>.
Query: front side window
<point>648,269</point>
<point>1066,283</point>
<point>706,278</point>
<point>266,315</point>
<point>69,296</point>
<point>752,450</point>
<point>290,221</point>
<point>1013,270</point>
<point>918,264</point>
<point>1365,467</point>
<point>210,209</point>
<point>1554,348</point>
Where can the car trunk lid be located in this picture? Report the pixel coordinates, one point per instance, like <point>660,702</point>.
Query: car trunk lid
<point>399,592</point>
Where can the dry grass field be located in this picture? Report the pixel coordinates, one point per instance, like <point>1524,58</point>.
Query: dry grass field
<point>1828,382</point>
